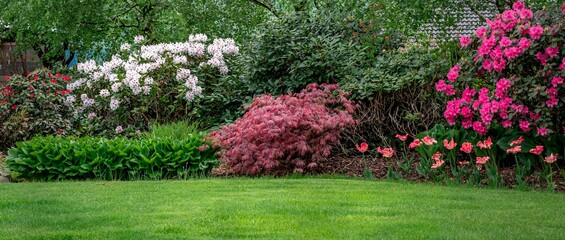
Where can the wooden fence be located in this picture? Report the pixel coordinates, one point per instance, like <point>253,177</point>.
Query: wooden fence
<point>12,63</point>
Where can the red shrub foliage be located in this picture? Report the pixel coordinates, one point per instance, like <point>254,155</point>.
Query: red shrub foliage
<point>286,132</point>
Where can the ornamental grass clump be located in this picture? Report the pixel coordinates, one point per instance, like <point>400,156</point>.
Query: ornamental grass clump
<point>289,132</point>
<point>143,83</point>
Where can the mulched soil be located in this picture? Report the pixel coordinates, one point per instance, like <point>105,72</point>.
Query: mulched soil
<point>353,167</point>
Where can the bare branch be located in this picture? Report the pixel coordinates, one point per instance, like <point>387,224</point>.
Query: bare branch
<point>257,2</point>
<point>474,10</point>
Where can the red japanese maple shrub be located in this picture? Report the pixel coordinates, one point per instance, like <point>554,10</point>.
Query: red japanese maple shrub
<point>287,132</point>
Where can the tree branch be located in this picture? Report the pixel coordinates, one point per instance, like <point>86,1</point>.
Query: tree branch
<point>257,2</point>
<point>474,10</point>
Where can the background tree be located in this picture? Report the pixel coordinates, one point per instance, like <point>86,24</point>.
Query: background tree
<point>96,27</point>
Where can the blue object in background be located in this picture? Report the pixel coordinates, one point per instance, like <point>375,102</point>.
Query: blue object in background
<point>74,60</point>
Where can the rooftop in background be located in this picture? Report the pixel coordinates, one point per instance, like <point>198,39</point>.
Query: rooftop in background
<point>468,22</point>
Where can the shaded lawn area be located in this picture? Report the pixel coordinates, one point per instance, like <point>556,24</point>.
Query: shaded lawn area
<point>310,208</point>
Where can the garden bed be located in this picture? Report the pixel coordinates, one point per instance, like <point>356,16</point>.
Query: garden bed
<point>353,167</point>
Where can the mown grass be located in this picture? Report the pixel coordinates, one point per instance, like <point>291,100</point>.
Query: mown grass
<point>309,208</point>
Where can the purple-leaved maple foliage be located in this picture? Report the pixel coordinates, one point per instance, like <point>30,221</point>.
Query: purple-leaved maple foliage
<point>286,132</point>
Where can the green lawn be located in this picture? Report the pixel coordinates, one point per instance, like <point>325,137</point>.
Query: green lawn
<point>274,208</point>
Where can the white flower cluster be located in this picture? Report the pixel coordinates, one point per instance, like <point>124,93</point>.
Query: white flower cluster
<point>104,93</point>
<point>198,38</point>
<point>86,102</point>
<point>114,104</point>
<point>87,67</point>
<point>217,49</point>
<point>125,47</point>
<point>138,39</point>
<point>134,74</point>
<point>70,99</point>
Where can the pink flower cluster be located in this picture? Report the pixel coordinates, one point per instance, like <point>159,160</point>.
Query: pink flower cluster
<point>552,91</point>
<point>465,41</point>
<point>486,106</point>
<point>507,37</point>
<point>452,75</point>
<point>496,48</point>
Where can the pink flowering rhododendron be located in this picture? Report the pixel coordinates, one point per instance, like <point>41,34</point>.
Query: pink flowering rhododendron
<point>480,32</point>
<point>464,41</point>
<point>525,125</point>
<point>536,32</point>
<point>453,73</point>
<point>519,63</point>
<point>542,131</point>
<point>524,44</point>
<point>556,81</point>
<point>542,58</point>
<point>552,51</point>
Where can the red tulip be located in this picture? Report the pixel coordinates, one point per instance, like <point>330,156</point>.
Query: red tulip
<point>386,152</point>
<point>363,148</point>
<point>428,140</point>
<point>416,143</point>
<point>402,137</point>
<point>517,141</point>
<point>449,145</point>
<point>537,150</point>
<point>551,158</point>
<point>467,147</point>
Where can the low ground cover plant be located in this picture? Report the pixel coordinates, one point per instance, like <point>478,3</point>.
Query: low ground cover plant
<point>59,158</point>
<point>289,132</point>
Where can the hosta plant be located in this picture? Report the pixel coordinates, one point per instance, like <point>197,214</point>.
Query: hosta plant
<point>58,158</point>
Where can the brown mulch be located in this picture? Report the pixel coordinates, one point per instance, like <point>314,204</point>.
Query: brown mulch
<point>354,166</point>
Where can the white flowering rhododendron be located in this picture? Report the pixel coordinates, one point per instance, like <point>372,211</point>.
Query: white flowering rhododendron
<point>141,75</point>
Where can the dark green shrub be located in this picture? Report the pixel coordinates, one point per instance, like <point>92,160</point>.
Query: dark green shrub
<point>34,105</point>
<point>57,158</point>
<point>396,93</point>
<point>299,48</point>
